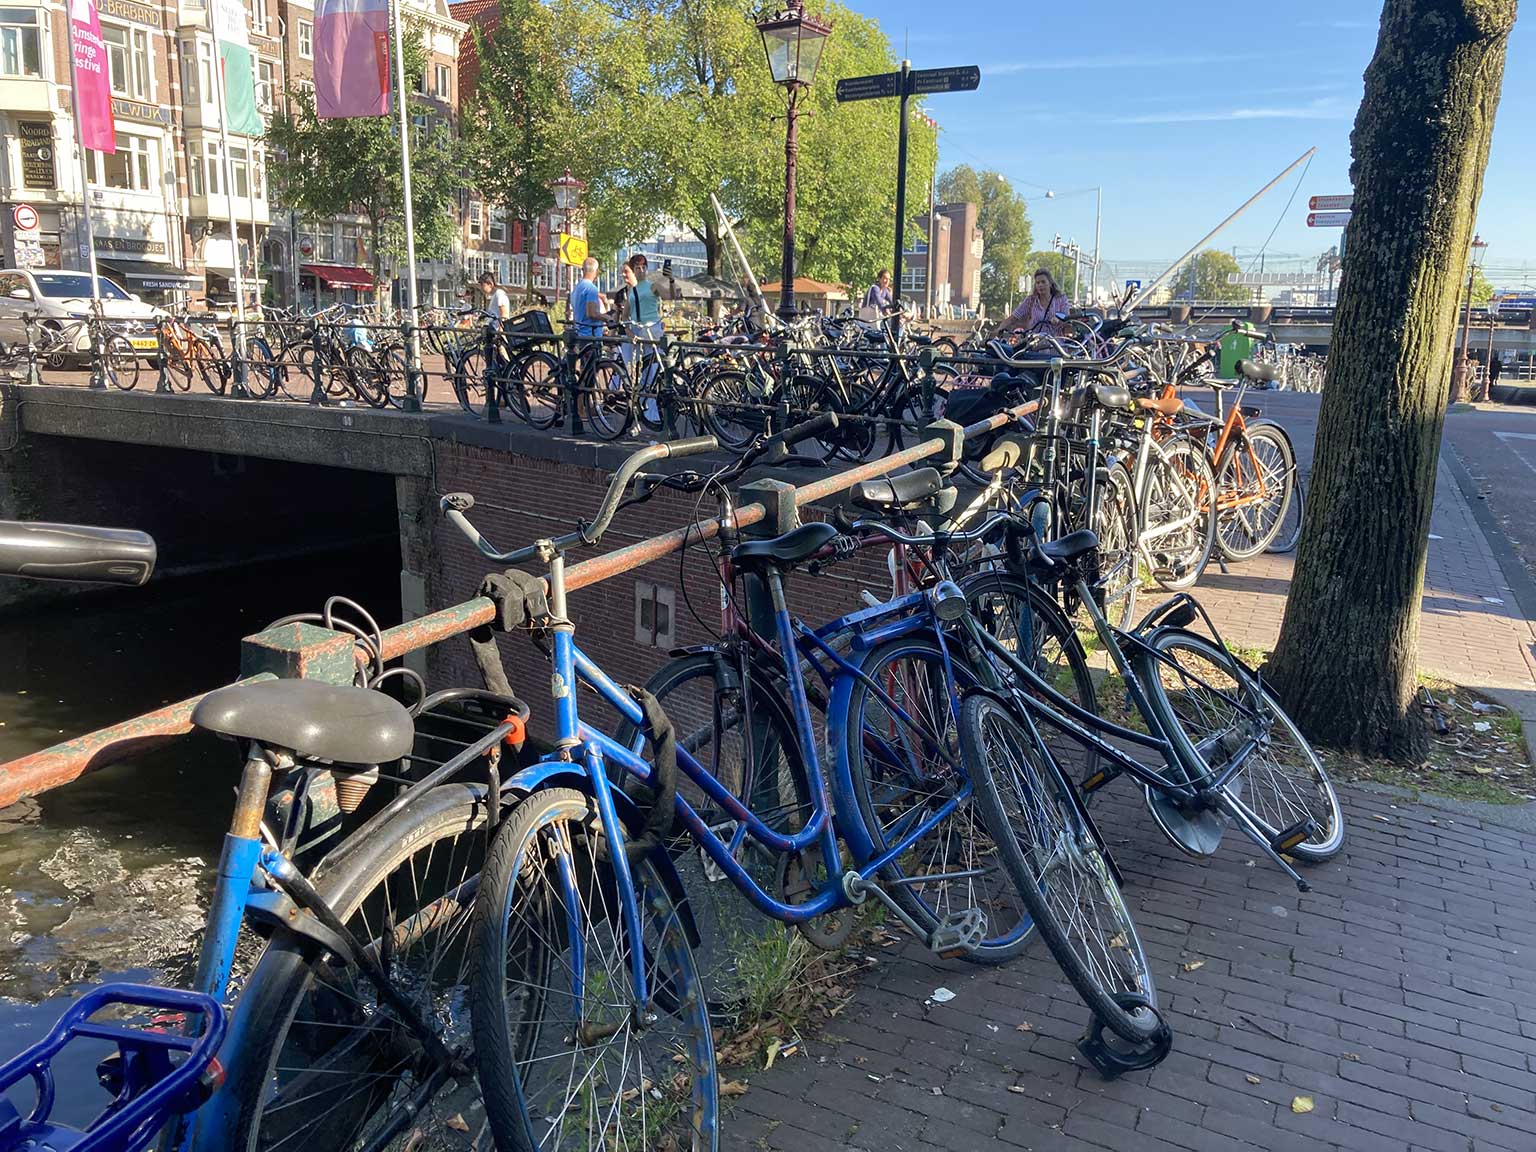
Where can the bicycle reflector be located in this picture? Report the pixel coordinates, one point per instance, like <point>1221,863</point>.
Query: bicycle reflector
<point>948,601</point>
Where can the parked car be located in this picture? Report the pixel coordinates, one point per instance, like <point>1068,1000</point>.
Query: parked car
<point>62,299</point>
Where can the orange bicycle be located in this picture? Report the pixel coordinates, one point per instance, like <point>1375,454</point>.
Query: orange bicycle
<point>189,352</point>
<point>1251,457</point>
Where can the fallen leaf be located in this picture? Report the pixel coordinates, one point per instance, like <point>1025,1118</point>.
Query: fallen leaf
<point>456,1122</point>
<point>733,1088</point>
<point>1194,965</point>
<point>1016,1088</point>
<point>1025,1027</point>
<point>1302,1104</point>
<point>1251,1078</point>
<point>773,1052</point>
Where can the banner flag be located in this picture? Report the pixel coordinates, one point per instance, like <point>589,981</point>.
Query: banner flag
<point>236,66</point>
<point>352,58</point>
<point>93,86</point>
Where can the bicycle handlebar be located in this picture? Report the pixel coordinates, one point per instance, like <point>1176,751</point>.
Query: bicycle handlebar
<point>75,552</point>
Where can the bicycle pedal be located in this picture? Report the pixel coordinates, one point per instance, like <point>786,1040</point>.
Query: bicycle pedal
<point>1098,780</point>
<point>958,934</point>
<point>1298,833</point>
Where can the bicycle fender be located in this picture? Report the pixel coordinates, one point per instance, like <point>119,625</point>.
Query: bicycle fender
<point>840,775</point>
<point>565,774</point>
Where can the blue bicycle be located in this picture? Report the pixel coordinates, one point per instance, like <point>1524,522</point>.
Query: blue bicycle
<point>591,1021</point>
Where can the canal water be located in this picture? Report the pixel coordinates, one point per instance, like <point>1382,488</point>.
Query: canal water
<point>109,877</point>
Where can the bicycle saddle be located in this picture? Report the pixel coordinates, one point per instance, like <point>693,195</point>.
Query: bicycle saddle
<point>904,491</point>
<point>1071,546</point>
<point>1162,405</point>
<point>784,551</point>
<point>310,719</point>
<point>1105,395</point>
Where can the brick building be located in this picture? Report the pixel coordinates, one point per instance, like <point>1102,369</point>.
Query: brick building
<point>958,247</point>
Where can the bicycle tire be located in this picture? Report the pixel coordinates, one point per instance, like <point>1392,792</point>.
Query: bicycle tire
<point>1116,523</point>
<point>762,766</point>
<point>891,788</point>
<point>522,1039</point>
<point>122,363</point>
<point>368,376</point>
<point>609,398</point>
<point>261,369</point>
<point>288,976</point>
<point>1289,533</point>
<point>1243,531</point>
<point>1179,486</point>
<point>1027,796</point>
<point>294,377</point>
<point>539,376</point>
<point>1273,793</point>
<point>468,378</point>
<point>178,370</point>
<point>210,366</point>
<point>733,408</point>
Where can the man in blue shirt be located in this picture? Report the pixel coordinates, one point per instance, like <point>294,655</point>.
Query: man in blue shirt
<point>587,311</point>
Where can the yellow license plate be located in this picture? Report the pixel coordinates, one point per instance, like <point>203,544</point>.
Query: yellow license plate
<point>144,343</point>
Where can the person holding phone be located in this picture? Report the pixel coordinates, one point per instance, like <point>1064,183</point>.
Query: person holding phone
<point>1039,312</point>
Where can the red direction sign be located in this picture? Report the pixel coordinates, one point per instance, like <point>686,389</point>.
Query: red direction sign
<point>1332,203</point>
<point>1327,219</point>
<point>24,216</point>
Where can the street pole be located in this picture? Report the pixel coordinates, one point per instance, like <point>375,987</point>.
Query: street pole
<point>1461,369</point>
<point>98,364</point>
<point>229,177</point>
<point>1098,224</point>
<point>412,402</point>
<point>933,235</point>
<point>904,92</point>
<point>787,262</point>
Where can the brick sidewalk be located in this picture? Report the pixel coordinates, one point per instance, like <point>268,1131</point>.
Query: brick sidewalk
<point>1395,996</point>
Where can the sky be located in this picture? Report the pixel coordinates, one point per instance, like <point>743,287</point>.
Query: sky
<point>1183,110</point>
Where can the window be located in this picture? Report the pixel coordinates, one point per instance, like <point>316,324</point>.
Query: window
<point>128,62</point>
<point>241,173</point>
<point>914,278</point>
<point>188,57</point>
<point>266,84</point>
<point>476,220</point>
<point>21,43</point>
<point>442,86</point>
<point>205,72</point>
<point>131,168</point>
<point>655,615</point>
<point>306,40</point>
<point>497,230</point>
<point>519,276</point>
<point>258,15</point>
<point>545,275</point>
<point>352,249</point>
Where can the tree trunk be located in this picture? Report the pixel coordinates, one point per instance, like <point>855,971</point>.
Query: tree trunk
<point>1347,655</point>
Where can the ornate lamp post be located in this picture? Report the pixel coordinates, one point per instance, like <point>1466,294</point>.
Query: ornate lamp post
<point>793,42</point>
<point>567,191</point>
<point>1461,368</point>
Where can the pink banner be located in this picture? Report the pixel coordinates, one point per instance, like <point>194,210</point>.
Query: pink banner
<point>93,87</point>
<point>352,58</point>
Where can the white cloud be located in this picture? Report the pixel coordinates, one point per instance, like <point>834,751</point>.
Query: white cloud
<point>1102,63</point>
<point>1316,110</point>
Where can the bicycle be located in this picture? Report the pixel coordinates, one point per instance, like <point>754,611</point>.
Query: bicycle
<point>575,822</point>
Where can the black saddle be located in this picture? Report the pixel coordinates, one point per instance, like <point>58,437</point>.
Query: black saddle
<point>903,492</point>
<point>1104,395</point>
<point>1070,547</point>
<point>784,551</point>
<point>311,719</point>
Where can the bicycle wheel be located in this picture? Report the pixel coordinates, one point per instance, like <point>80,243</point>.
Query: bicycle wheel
<point>1066,879</point>
<point>538,377</point>
<point>261,369</point>
<point>178,369</point>
<point>609,401</point>
<point>1116,526</point>
<point>1253,489</point>
<point>902,773</point>
<point>211,369</point>
<point>1213,708</point>
<point>1027,622</point>
<point>565,1057</point>
<point>734,408</point>
<point>1288,535</point>
<point>1178,514</point>
<point>739,729</point>
<point>369,376</point>
<point>468,376</point>
<point>294,372</point>
<point>328,1065</point>
<point>122,363</point>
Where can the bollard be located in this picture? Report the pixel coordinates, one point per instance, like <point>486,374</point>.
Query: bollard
<point>413,389</point>
<point>572,382</point>
<point>781,414</point>
<point>317,393</point>
<point>162,364</point>
<point>492,408</point>
<point>237,359</point>
<point>98,354</point>
<point>33,376</point>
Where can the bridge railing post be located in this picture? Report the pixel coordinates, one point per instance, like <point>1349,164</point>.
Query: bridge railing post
<point>162,362</point>
<point>413,374</point>
<point>316,370</point>
<point>94,328</point>
<point>33,376</point>
<point>492,404</point>
<point>573,382</point>
<point>237,358</point>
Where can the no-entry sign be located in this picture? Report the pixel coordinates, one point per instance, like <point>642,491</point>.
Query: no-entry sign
<point>24,217</point>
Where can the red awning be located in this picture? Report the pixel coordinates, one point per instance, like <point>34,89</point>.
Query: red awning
<point>340,275</point>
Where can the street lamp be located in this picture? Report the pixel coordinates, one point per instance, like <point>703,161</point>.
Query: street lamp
<point>1462,368</point>
<point>567,192</point>
<point>792,42</point>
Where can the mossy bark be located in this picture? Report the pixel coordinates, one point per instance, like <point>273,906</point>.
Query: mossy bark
<point>1347,654</point>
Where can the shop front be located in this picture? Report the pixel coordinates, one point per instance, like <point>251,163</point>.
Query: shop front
<point>321,285</point>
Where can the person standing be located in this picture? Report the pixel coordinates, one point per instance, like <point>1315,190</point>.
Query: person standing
<point>878,299</point>
<point>1495,370</point>
<point>1039,311</point>
<point>498,305</point>
<point>586,303</point>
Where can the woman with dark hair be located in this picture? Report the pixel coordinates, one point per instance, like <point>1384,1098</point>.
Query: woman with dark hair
<point>1040,311</point>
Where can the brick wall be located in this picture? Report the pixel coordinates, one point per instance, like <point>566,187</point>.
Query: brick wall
<point>519,499</point>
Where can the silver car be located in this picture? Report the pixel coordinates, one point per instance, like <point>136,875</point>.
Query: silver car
<point>61,301</point>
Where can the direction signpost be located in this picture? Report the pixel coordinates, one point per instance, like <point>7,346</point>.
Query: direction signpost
<point>1332,203</point>
<point>1327,219</point>
<point>906,84</point>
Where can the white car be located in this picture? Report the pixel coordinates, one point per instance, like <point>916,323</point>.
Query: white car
<point>61,300</point>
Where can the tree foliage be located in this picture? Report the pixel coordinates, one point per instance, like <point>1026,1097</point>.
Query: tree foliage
<point>1056,263</point>
<point>1207,274</point>
<point>1003,218</point>
<point>322,168</point>
<point>1482,289</point>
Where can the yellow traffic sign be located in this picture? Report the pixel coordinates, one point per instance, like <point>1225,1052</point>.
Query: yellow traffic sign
<point>573,249</point>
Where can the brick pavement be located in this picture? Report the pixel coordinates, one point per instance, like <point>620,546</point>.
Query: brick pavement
<point>1396,996</point>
